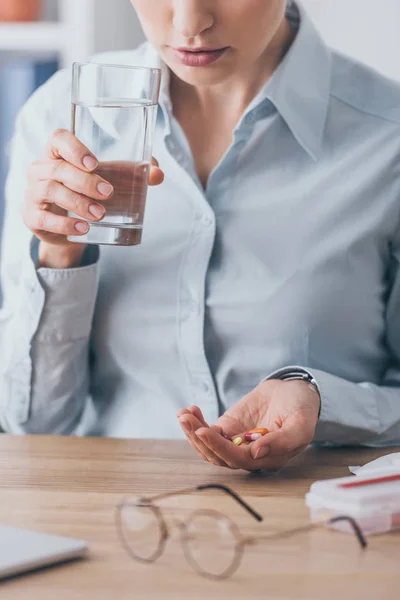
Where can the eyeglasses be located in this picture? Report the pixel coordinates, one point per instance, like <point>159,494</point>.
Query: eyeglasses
<point>212,542</point>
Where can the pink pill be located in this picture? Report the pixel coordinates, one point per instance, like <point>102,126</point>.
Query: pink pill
<point>252,437</point>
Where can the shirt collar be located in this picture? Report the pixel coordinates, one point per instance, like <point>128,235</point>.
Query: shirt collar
<point>299,89</point>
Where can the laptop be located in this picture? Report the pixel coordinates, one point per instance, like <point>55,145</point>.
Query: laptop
<point>22,551</point>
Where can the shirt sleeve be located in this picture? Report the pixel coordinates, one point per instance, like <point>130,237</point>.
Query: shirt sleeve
<point>45,321</point>
<point>364,412</point>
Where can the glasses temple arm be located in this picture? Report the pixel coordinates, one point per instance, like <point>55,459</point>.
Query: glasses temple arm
<point>232,494</point>
<point>290,532</point>
<point>172,494</point>
<point>356,528</point>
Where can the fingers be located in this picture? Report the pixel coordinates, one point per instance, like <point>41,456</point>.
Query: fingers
<point>156,176</point>
<point>87,184</point>
<point>63,144</point>
<point>190,424</point>
<point>45,221</point>
<point>236,457</point>
<point>241,457</point>
<point>196,411</point>
<point>55,193</point>
<point>282,442</point>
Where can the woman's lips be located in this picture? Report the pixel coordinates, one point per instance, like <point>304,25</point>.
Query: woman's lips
<point>200,58</point>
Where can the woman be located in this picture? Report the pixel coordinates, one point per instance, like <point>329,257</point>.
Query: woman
<point>273,241</point>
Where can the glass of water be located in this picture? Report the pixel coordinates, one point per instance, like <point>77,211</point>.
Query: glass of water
<point>114,109</point>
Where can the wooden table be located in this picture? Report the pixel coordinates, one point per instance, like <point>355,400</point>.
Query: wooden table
<point>70,486</point>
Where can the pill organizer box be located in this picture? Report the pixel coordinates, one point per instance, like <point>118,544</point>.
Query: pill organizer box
<point>374,502</point>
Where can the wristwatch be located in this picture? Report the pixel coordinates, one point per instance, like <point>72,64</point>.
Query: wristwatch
<point>298,374</point>
<point>291,374</point>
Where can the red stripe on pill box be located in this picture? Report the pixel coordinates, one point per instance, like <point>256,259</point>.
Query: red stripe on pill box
<point>363,482</point>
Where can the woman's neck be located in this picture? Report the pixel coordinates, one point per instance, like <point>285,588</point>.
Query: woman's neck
<point>218,108</point>
<point>236,93</point>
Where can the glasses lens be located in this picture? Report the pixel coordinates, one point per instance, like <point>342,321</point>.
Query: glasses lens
<point>142,531</point>
<point>211,544</point>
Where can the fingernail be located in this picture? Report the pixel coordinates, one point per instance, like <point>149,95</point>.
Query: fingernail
<point>82,227</point>
<point>90,162</point>
<point>96,210</point>
<point>262,452</point>
<point>105,188</point>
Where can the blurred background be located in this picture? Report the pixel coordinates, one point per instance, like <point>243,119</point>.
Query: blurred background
<point>39,36</point>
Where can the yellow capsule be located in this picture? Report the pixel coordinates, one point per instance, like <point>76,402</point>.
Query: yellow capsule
<point>237,441</point>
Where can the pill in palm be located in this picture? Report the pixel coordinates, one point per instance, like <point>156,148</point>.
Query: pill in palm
<point>252,437</point>
<point>237,441</point>
<point>261,430</point>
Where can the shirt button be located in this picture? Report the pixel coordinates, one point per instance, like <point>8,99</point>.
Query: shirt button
<point>251,118</point>
<point>207,221</point>
<point>21,410</point>
<point>30,287</point>
<point>265,111</point>
<point>193,306</point>
<point>240,145</point>
<point>204,387</point>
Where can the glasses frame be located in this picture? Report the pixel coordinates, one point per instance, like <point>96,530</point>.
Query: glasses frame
<point>241,541</point>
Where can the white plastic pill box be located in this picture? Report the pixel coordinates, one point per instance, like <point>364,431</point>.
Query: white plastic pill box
<point>374,502</point>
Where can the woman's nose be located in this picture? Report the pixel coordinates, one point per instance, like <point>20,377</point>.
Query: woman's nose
<point>192,17</point>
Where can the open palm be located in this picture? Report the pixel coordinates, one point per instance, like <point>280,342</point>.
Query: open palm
<point>289,410</point>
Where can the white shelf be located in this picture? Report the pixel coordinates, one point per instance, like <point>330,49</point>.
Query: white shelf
<point>71,37</point>
<point>83,28</point>
<point>33,37</point>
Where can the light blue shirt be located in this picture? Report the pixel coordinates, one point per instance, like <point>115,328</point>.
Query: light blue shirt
<point>290,256</point>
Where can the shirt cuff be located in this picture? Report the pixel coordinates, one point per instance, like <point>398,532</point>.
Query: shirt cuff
<point>293,370</point>
<point>70,300</point>
<point>348,412</point>
<point>70,297</point>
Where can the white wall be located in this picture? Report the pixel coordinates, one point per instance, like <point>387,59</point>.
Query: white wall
<point>117,27</point>
<point>50,10</point>
<point>369,30</point>
<point>115,24</point>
